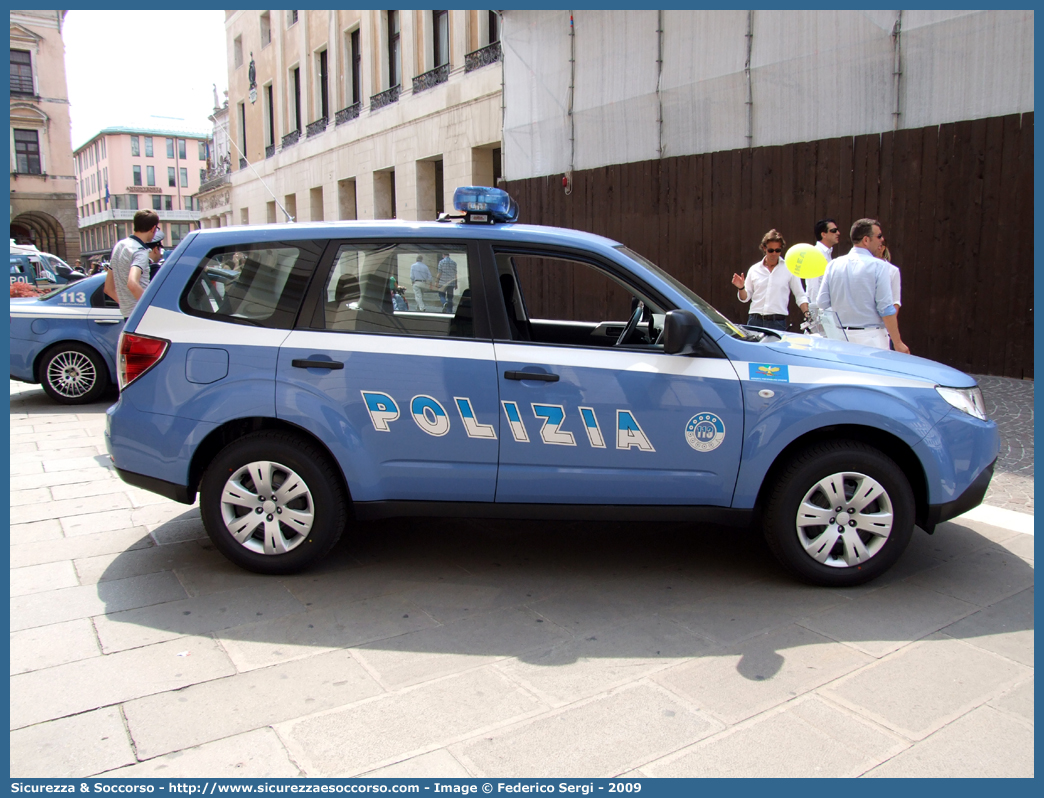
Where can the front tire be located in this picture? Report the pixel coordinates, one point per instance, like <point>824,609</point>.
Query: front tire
<point>73,374</point>
<point>840,514</point>
<point>273,503</point>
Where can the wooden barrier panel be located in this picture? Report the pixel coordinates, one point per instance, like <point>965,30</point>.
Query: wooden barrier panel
<point>955,202</point>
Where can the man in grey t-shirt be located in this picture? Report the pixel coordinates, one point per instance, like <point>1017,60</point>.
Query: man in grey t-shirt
<point>130,261</point>
<point>446,282</point>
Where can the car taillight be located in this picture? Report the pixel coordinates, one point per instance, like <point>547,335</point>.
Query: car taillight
<point>138,353</point>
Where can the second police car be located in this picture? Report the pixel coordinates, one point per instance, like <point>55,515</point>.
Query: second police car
<point>66,340</point>
<point>540,372</point>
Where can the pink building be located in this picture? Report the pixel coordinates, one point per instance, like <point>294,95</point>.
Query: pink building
<point>123,169</point>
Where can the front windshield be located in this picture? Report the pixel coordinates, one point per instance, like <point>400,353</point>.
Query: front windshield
<point>705,307</point>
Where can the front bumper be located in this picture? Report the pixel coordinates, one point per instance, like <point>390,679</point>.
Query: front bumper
<point>972,497</point>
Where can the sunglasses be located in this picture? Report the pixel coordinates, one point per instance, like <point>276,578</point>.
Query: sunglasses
<point>833,230</point>
<point>773,250</point>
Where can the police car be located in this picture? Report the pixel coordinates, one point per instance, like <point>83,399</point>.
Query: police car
<point>66,340</point>
<point>29,265</point>
<point>558,374</point>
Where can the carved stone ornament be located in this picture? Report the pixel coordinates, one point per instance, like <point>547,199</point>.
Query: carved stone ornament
<point>215,201</point>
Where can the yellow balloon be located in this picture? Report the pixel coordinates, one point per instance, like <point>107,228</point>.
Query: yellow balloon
<point>805,261</point>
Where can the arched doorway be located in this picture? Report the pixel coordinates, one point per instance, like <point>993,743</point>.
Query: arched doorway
<point>41,230</point>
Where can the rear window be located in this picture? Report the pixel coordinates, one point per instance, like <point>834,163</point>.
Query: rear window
<point>400,289</point>
<point>255,285</point>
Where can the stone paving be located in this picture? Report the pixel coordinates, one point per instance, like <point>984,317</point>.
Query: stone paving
<point>1009,402</point>
<point>439,648</point>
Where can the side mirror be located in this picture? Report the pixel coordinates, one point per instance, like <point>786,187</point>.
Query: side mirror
<point>682,332</point>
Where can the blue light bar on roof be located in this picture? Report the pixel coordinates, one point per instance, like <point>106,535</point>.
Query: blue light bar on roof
<point>476,201</point>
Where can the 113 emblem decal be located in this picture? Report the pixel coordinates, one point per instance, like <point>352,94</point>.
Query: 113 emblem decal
<point>705,432</point>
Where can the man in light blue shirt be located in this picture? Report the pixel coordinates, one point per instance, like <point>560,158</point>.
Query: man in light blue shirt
<point>858,288</point>
<point>420,277</point>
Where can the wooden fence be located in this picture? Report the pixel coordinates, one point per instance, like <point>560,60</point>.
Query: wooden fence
<point>955,202</point>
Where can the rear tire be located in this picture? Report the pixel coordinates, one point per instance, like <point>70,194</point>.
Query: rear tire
<point>72,373</point>
<point>841,513</point>
<point>273,503</point>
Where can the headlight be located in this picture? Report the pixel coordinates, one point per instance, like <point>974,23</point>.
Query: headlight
<point>967,399</point>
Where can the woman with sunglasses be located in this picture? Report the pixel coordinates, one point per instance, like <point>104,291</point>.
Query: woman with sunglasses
<point>767,284</point>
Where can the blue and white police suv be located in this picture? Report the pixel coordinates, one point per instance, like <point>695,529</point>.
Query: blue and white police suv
<point>538,372</point>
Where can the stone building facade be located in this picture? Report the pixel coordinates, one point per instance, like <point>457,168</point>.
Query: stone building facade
<point>358,114</point>
<point>43,188</point>
<point>215,193</point>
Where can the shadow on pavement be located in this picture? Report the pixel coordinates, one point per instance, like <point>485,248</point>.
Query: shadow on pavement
<point>552,593</point>
<point>32,399</point>
<point>548,593</point>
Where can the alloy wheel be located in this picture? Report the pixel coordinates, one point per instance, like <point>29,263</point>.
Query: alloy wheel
<point>71,374</point>
<point>267,507</point>
<point>844,519</point>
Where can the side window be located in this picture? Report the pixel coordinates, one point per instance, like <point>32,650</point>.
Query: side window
<point>41,268</point>
<point>100,300</point>
<point>256,285</point>
<point>560,300</point>
<point>401,289</point>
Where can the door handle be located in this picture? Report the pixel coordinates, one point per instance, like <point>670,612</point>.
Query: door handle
<point>316,364</point>
<point>530,375</point>
<point>107,321</point>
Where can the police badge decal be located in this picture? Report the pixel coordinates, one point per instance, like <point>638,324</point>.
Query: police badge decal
<point>705,432</point>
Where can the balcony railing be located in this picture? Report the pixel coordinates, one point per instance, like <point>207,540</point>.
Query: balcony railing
<point>347,114</point>
<point>125,215</point>
<point>223,167</point>
<point>484,56</point>
<point>269,151</point>
<point>316,127</point>
<point>431,78</point>
<point>213,180</point>
<point>386,97</point>
<point>290,139</point>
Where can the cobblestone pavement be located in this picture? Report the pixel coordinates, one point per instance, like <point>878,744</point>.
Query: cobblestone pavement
<point>456,648</point>
<point>1009,402</point>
